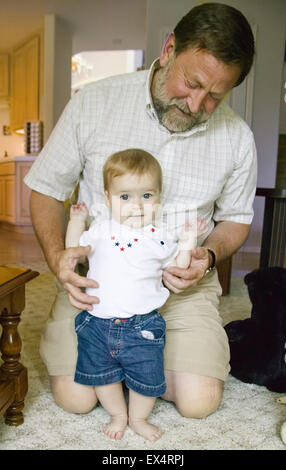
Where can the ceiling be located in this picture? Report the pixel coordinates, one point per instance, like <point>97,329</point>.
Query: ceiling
<point>20,18</point>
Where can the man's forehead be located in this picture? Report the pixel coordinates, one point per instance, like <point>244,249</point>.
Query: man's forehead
<point>206,70</point>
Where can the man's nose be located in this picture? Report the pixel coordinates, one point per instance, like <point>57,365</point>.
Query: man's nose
<point>196,100</point>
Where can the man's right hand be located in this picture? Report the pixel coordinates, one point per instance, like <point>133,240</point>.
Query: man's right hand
<point>64,263</point>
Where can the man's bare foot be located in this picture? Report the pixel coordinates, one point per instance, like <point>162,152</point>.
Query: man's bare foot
<point>145,429</point>
<point>115,429</point>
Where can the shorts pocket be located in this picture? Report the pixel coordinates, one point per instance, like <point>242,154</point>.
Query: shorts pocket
<point>81,320</point>
<point>153,330</point>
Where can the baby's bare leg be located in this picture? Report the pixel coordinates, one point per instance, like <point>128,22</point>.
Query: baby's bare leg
<point>112,399</point>
<point>140,408</point>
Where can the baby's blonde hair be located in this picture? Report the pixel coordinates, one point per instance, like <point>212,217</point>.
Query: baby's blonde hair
<point>134,161</point>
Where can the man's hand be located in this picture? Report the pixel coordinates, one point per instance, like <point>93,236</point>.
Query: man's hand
<point>64,264</point>
<point>178,279</point>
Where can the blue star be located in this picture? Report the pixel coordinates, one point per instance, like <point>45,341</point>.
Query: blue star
<point>117,244</point>
<point>129,245</point>
<point>162,243</point>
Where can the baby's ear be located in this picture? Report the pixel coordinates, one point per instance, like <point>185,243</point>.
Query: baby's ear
<point>107,199</point>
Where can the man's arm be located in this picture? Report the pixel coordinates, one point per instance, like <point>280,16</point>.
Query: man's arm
<point>224,240</point>
<point>227,238</point>
<point>50,223</point>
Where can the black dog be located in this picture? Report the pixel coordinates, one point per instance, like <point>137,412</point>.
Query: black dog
<point>258,344</point>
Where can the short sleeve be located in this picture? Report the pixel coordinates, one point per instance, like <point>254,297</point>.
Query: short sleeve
<point>57,169</point>
<point>90,236</point>
<point>85,239</point>
<point>236,199</point>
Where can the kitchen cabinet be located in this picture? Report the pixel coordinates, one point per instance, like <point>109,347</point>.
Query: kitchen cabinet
<point>4,75</point>
<point>25,71</point>
<point>14,194</point>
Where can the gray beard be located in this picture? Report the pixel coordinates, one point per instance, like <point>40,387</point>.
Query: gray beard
<point>165,109</point>
<point>169,118</point>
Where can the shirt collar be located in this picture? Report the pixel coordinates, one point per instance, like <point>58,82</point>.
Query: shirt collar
<point>151,109</point>
<point>149,102</point>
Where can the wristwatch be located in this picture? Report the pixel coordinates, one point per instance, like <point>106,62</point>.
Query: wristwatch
<point>212,265</point>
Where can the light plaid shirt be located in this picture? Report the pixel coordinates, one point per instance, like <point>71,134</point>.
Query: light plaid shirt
<point>211,168</point>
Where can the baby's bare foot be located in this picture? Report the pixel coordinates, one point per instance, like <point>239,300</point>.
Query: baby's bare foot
<point>115,429</point>
<point>145,429</point>
<point>197,227</point>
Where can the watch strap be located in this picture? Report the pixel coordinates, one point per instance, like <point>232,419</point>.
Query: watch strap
<point>213,263</point>
<point>211,252</point>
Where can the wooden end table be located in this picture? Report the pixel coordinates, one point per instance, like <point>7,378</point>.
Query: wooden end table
<point>13,375</point>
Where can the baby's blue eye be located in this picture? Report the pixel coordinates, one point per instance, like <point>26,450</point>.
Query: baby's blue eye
<point>147,195</point>
<point>124,197</point>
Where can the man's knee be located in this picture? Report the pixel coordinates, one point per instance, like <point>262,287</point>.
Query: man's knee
<point>71,396</point>
<point>195,396</point>
<point>199,405</point>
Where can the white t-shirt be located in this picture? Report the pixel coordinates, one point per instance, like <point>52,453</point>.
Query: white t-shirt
<point>127,263</point>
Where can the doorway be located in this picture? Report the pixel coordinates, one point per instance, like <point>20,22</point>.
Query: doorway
<point>91,66</point>
<point>281,160</point>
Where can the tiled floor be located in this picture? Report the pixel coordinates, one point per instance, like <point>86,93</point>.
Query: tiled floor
<point>24,250</point>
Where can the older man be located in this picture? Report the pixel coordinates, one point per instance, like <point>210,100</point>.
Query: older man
<point>176,111</point>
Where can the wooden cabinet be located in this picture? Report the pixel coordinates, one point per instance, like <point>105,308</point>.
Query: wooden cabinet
<point>7,184</point>
<point>4,75</point>
<point>14,194</point>
<point>25,70</point>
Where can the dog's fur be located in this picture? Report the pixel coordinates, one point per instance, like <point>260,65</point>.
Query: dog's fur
<point>258,344</point>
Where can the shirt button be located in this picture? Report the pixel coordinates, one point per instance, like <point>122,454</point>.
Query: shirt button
<point>117,321</point>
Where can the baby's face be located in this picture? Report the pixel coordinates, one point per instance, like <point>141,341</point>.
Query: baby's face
<point>133,199</point>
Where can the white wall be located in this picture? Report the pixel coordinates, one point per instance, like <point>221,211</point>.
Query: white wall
<point>107,24</point>
<point>57,81</point>
<point>282,126</point>
<point>270,20</point>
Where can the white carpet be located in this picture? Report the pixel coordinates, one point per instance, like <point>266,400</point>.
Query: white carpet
<point>249,417</point>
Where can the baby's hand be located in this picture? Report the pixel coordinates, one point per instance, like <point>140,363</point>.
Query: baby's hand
<point>79,211</point>
<point>198,228</point>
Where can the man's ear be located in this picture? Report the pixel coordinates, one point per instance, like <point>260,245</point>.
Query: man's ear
<point>168,49</point>
<point>107,201</point>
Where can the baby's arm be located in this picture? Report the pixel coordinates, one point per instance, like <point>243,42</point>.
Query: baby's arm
<point>188,241</point>
<point>77,224</point>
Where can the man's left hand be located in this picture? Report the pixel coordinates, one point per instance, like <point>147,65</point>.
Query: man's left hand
<point>178,279</point>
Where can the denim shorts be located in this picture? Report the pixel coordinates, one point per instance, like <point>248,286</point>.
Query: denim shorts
<point>116,349</point>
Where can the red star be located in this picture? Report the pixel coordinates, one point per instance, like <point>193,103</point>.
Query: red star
<point>136,239</point>
<point>152,230</point>
<point>112,238</point>
<point>122,249</point>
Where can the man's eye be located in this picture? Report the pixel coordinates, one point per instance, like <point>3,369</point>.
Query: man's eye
<point>191,85</point>
<point>215,98</point>
<point>147,196</point>
<point>124,197</point>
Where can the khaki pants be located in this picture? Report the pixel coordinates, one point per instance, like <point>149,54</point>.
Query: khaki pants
<point>196,342</point>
